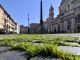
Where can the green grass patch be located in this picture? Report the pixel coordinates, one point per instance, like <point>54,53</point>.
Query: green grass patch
<point>49,47</point>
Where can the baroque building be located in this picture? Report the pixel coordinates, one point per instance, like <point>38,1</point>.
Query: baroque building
<point>68,20</point>
<point>7,24</point>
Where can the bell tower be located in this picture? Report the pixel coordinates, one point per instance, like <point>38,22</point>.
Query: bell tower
<point>51,12</point>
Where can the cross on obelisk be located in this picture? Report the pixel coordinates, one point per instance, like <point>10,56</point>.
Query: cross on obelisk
<point>41,18</point>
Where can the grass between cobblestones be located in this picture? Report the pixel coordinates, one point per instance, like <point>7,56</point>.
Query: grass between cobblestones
<point>49,47</point>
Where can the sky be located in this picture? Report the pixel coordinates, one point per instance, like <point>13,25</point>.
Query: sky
<point>19,9</point>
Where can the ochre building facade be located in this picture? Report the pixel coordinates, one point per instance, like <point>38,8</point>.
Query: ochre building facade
<point>7,24</point>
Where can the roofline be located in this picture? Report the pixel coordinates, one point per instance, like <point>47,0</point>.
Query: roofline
<point>7,13</point>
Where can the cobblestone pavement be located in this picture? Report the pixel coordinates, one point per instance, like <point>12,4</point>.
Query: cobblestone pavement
<point>73,35</point>
<point>5,54</point>
<point>6,35</point>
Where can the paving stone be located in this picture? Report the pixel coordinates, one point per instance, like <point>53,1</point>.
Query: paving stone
<point>71,50</point>
<point>13,55</point>
<point>3,49</point>
<point>74,43</point>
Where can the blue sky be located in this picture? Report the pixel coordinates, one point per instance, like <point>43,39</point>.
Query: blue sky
<point>19,9</point>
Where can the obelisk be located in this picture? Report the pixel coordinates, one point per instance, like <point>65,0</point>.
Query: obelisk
<point>28,23</point>
<point>41,18</point>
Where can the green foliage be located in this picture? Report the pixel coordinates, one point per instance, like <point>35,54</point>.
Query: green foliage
<point>45,50</point>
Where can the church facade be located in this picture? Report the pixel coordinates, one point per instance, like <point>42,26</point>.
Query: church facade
<point>68,20</point>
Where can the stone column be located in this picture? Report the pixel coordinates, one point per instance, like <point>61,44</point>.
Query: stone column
<point>72,25</point>
<point>65,26</point>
